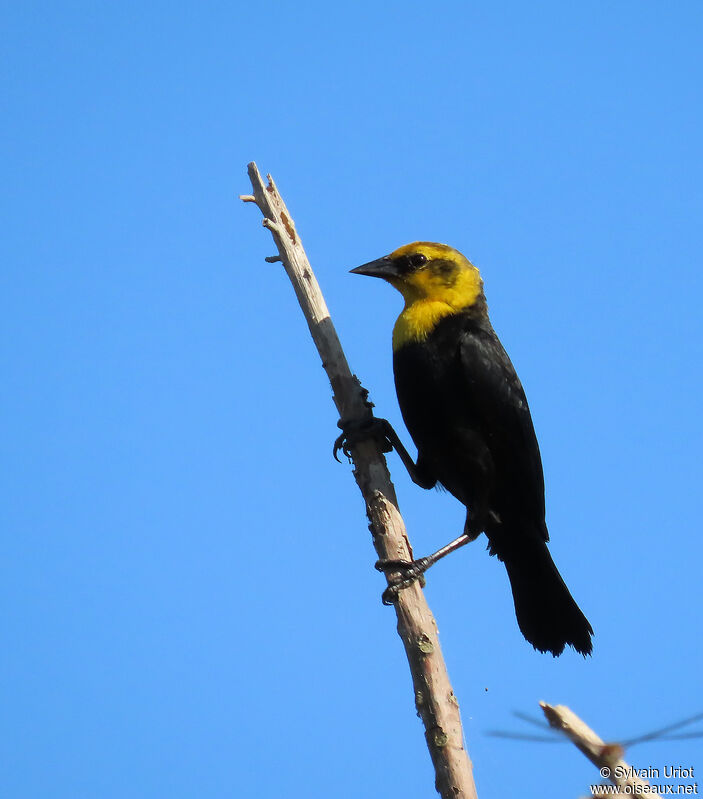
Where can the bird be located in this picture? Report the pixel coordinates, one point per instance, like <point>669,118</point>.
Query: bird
<point>466,411</point>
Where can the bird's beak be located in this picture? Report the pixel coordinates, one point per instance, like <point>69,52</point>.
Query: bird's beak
<point>381,267</point>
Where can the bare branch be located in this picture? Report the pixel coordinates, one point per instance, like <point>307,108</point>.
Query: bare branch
<point>607,757</point>
<point>434,698</point>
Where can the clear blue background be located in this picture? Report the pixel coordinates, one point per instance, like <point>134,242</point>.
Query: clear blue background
<point>189,602</point>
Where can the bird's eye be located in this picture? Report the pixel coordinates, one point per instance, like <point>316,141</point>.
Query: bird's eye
<point>418,259</point>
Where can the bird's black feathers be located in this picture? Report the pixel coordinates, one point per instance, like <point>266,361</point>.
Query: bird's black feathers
<point>467,413</point>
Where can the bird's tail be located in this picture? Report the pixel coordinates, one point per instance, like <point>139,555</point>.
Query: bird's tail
<point>547,614</point>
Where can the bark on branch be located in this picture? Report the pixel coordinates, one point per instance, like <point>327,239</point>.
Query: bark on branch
<point>435,701</point>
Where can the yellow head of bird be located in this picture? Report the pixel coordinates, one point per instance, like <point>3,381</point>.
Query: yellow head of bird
<point>435,280</point>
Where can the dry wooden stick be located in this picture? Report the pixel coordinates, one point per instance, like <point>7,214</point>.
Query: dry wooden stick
<point>435,701</point>
<point>607,757</point>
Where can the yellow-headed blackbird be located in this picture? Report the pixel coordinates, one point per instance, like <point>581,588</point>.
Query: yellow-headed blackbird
<point>466,411</point>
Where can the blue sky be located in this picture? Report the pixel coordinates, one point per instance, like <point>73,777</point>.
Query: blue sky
<point>189,601</point>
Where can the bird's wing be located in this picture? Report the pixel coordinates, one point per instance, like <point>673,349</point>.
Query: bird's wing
<point>498,406</point>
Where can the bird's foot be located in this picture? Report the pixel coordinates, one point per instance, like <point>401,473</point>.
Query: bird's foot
<point>406,573</point>
<point>356,430</point>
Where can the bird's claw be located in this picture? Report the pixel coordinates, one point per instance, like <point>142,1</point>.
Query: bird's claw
<point>356,430</point>
<point>341,442</point>
<point>407,572</point>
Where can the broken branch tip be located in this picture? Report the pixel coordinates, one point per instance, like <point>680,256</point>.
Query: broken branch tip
<point>271,225</point>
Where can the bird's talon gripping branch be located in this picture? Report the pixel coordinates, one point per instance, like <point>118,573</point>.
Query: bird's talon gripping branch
<point>356,430</point>
<point>391,565</point>
<point>340,443</point>
<point>389,596</point>
<point>408,572</point>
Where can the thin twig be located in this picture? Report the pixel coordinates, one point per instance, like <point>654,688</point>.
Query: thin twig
<point>434,698</point>
<point>607,757</point>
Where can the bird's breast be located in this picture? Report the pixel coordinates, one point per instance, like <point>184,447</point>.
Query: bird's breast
<point>418,320</point>
<point>424,385</point>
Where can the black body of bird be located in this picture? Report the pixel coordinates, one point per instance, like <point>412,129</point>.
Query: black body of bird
<point>466,411</point>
